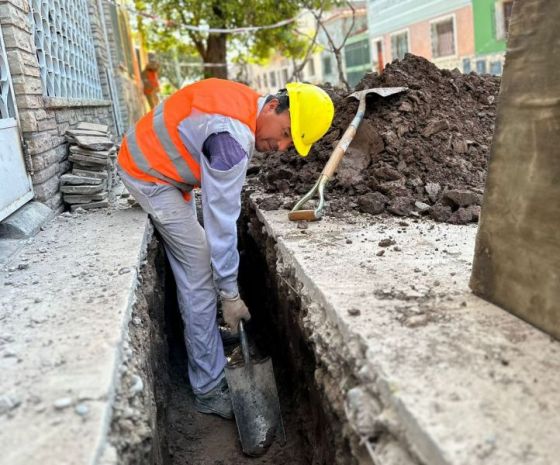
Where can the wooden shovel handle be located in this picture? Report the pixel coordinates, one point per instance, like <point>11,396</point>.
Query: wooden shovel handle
<point>347,138</point>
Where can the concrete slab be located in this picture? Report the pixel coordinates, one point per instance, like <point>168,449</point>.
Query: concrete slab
<point>443,377</point>
<point>26,221</point>
<point>65,302</point>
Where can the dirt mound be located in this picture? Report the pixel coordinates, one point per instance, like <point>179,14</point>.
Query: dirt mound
<point>423,152</point>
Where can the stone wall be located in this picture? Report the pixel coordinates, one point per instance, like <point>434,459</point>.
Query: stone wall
<point>44,120</point>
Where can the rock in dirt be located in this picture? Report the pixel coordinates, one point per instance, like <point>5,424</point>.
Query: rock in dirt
<point>271,203</point>
<point>419,146</point>
<point>462,198</point>
<point>372,203</point>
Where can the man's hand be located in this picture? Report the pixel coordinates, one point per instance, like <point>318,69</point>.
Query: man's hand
<point>234,309</point>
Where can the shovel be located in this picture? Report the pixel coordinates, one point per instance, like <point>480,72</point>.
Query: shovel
<point>297,212</point>
<point>255,401</point>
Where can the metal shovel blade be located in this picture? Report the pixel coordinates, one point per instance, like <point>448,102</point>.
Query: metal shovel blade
<point>256,406</point>
<point>381,91</point>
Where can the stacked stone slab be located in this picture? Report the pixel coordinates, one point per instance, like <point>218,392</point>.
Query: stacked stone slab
<point>93,154</point>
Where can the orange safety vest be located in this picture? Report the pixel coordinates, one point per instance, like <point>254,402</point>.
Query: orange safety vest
<point>151,83</point>
<point>153,151</point>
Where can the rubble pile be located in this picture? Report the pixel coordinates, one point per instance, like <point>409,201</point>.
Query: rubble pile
<point>93,154</point>
<point>422,153</point>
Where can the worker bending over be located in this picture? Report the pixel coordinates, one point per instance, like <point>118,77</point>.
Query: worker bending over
<point>204,136</point>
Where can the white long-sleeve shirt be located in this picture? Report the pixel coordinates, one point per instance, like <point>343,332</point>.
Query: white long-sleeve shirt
<point>223,147</point>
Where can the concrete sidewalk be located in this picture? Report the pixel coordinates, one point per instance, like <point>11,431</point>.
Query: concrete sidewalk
<point>443,377</point>
<point>65,303</point>
<point>434,374</point>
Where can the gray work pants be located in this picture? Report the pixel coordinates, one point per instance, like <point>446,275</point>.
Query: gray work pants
<point>189,255</point>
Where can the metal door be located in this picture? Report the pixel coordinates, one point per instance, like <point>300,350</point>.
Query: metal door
<point>15,183</point>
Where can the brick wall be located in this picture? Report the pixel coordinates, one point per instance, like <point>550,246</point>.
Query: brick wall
<point>44,120</point>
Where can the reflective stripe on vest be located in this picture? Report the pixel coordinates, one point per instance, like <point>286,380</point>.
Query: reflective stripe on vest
<point>165,139</point>
<point>157,149</point>
<point>142,163</point>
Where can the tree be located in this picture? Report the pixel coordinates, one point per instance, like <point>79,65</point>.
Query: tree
<point>212,47</point>
<point>335,49</point>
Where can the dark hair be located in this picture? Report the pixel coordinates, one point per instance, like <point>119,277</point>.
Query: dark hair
<point>283,100</point>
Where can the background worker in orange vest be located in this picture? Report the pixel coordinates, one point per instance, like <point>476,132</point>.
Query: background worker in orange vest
<point>150,82</point>
<point>204,136</point>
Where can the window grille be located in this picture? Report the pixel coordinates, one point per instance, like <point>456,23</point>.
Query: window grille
<point>65,49</point>
<point>7,109</point>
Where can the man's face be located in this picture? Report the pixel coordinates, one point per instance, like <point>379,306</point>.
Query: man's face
<point>273,130</point>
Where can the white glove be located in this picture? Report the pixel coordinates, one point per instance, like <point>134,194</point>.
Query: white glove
<point>234,309</point>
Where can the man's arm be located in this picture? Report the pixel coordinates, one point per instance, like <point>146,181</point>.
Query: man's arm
<point>223,168</point>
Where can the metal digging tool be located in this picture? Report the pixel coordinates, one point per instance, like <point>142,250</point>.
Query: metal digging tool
<point>297,212</point>
<point>255,401</point>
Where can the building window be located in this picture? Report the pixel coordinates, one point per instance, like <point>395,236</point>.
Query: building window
<point>508,7</point>
<point>285,74</point>
<point>399,45</point>
<point>496,68</point>
<point>272,79</point>
<point>65,49</point>
<point>311,67</point>
<point>258,82</point>
<point>327,66</point>
<point>502,15</point>
<point>357,54</point>
<point>265,80</point>
<point>443,38</point>
<point>378,62</point>
<point>481,66</point>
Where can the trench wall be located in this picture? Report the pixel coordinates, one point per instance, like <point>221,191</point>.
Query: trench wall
<point>319,362</point>
<point>137,432</point>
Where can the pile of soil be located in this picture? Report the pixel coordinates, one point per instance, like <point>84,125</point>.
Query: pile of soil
<point>422,152</point>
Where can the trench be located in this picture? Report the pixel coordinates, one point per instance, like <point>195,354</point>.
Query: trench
<point>164,428</point>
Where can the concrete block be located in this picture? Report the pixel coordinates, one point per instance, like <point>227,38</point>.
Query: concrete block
<point>26,221</point>
<point>79,180</point>
<point>46,189</point>
<point>42,141</point>
<point>43,175</point>
<point>17,38</point>
<point>55,203</point>
<point>14,17</point>
<point>30,101</point>
<point>87,190</point>
<point>43,160</point>
<point>23,63</point>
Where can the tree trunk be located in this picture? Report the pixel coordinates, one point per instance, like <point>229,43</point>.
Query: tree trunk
<point>340,66</point>
<point>216,53</point>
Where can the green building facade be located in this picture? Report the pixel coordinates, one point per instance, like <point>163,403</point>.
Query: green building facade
<point>491,21</point>
<point>490,18</point>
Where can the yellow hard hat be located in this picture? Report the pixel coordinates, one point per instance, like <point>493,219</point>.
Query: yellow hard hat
<point>311,114</point>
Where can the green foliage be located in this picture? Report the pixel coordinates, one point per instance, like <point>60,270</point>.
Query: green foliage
<point>169,34</point>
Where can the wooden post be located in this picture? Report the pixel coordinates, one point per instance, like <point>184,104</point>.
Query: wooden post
<point>517,257</point>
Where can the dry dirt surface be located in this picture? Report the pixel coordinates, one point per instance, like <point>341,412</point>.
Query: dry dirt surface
<point>423,152</point>
<point>199,439</point>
